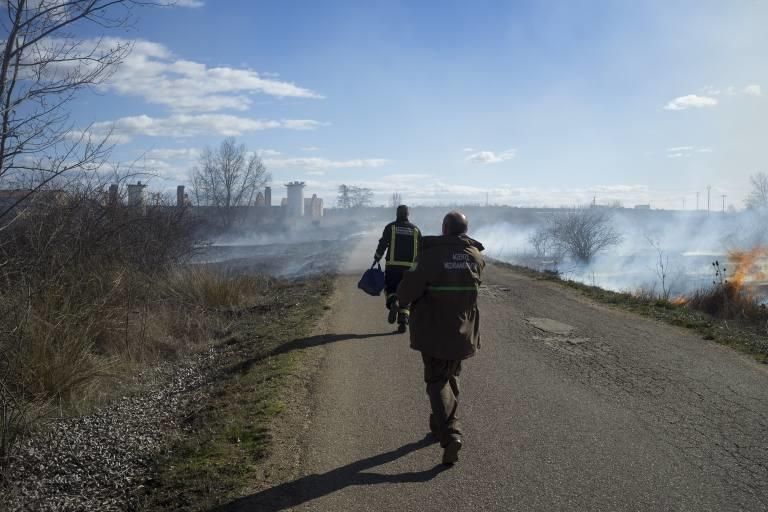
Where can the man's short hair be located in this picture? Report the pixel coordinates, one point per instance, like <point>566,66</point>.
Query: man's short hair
<point>455,223</point>
<point>402,212</point>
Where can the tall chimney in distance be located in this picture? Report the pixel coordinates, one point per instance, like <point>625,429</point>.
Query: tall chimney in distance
<point>113,195</point>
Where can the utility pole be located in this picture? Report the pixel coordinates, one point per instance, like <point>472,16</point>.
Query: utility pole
<point>697,201</point>
<point>709,189</point>
<point>486,199</point>
<point>723,196</point>
<point>683,203</point>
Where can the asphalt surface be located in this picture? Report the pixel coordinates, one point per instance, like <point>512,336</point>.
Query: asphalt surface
<point>569,405</point>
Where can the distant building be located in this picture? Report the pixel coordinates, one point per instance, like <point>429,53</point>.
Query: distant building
<point>137,195</point>
<point>295,203</point>
<point>24,197</point>
<point>642,207</point>
<point>259,200</point>
<point>313,207</point>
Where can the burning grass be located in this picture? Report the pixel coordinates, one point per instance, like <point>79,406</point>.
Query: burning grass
<point>734,295</point>
<point>727,301</point>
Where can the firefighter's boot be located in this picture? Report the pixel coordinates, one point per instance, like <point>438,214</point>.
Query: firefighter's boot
<point>393,307</point>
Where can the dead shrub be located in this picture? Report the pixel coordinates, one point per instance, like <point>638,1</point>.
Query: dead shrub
<point>209,288</point>
<point>729,301</point>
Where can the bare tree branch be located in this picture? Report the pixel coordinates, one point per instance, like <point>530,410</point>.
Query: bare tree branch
<point>228,178</point>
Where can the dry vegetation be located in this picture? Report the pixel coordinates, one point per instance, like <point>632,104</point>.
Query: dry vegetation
<point>90,292</point>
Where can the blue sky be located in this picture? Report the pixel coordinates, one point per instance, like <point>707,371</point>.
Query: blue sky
<point>532,102</point>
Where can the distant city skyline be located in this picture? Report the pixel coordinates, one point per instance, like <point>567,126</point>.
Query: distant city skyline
<point>531,103</point>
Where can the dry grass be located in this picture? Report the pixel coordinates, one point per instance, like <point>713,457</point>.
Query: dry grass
<point>729,301</point>
<point>90,292</point>
<point>210,288</point>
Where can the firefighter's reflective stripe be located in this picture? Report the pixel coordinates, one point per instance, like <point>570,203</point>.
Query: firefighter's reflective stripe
<point>400,263</point>
<point>391,251</point>
<point>453,288</point>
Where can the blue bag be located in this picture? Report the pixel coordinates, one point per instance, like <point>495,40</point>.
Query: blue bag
<point>372,281</point>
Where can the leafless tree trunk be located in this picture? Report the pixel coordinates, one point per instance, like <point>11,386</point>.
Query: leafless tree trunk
<point>43,66</point>
<point>228,178</point>
<point>758,198</point>
<point>581,233</point>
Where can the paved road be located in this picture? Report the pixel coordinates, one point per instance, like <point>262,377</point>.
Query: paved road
<point>620,413</point>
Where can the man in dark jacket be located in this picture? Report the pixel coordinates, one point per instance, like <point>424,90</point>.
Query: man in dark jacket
<point>400,241</point>
<point>442,289</point>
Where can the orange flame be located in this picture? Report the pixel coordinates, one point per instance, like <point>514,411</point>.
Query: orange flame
<point>679,301</point>
<point>748,267</point>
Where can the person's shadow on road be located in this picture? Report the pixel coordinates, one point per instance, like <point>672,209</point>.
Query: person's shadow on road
<point>299,344</point>
<point>310,487</point>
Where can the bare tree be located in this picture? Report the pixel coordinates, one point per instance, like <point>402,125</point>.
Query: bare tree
<point>43,65</point>
<point>396,199</point>
<point>662,267</point>
<point>361,197</point>
<point>228,178</point>
<point>344,200</point>
<point>541,242</point>
<point>354,197</point>
<point>758,198</point>
<point>581,233</point>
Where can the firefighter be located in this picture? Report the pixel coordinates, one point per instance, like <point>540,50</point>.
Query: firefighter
<point>401,241</point>
<point>442,289</point>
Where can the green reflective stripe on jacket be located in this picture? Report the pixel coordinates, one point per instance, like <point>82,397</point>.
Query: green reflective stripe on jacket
<point>400,263</point>
<point>415,243</point>
<point>391,251</point>
<point>453,288</point>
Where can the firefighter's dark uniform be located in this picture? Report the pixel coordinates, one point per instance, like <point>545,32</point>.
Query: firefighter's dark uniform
<point>445,327</point>
<point>401,241</point>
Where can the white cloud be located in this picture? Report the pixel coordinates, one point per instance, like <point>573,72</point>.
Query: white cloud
<point>188,3</point>
<point>686,151</point>
<point>710,90</point>
<point>690,101</point>
<point>753,90</point>
<point>185,125</point>
<point>324,163</point>
<point>315,173</point>
<point>152,72</point>
<point>267,152</point>
<point>468,150</point>
<point>170,154</point>
<point>310,148</point>
<point>489,157</point>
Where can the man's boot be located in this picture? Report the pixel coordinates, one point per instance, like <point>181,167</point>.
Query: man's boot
<point>451,451</point>
<point>402,321</point>
<point>393,307</point>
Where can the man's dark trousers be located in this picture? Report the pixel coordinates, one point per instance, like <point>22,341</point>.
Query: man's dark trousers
<point>442,378</point>
<point>393,274</point>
